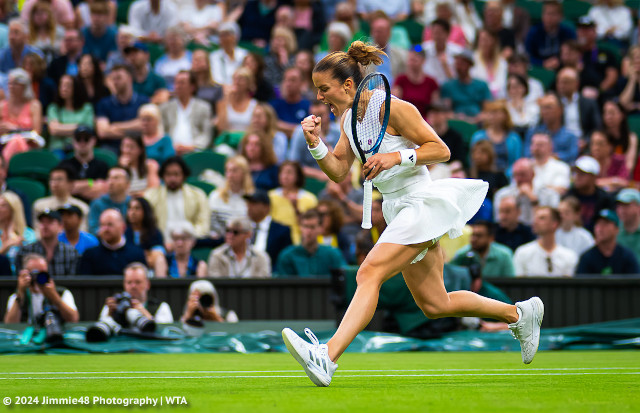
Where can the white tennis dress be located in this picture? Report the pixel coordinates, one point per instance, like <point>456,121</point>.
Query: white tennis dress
<point>416,208</point>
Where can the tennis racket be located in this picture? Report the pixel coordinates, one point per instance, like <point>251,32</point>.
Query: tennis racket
<point>369,120</point>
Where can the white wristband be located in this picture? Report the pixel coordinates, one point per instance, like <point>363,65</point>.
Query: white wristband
<point>408,157</point>
<point>319,151</point>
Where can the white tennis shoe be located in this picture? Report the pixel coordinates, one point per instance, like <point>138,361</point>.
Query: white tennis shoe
<point>314,357</point>
<point>527,328</point>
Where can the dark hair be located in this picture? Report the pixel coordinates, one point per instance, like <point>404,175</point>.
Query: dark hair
<point>442,23</point>
<point>126,171</point>
<point>299,172</point>
<point>192,80</point>
<point>623,130</point>
<point>491,229</point>
<point>177,161</point>
<point>555,215</point>
<point>553,3</point>
<point>518,58</point>
<point>78,97</point>
<point>39,66</point>
<point>98,77</point>
<point>124,67</point>
<point>520,80</point>
<point>311,214</point>
<point>149,225</point>
<point>68,171</point>
<point>142,158</point>
<point>345,65</point>
<point>259,74</point>
<point>335,213</point>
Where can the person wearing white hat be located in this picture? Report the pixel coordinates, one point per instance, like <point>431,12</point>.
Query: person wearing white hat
<point>226,60</point>
<point>592,199</point>
<point>628,209</point>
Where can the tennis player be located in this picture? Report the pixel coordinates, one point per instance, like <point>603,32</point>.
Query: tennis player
<point>418,212</point>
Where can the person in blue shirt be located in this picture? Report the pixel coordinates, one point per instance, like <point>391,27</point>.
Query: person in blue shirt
<point>118,181</point>
<point>18,46</point>
<point>544,39</point>
<point>117,114</point>
<point>467,95</point>
<point>71,221</point>
<point>291,107</point>
<point>99,36</point>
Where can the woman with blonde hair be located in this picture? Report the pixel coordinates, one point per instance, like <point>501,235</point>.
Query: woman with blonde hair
<point>14,231</point>
<point>158,145</point>
<point>489,65</point>
<point>483,166</point>
<point>258,151</point>
<point>208,89</point>
<point>498,130</point>
<point>282,49</point>
<point>227,202</point>
<point>265,119</point>
<point>239,102</point>
<point>44,33</point>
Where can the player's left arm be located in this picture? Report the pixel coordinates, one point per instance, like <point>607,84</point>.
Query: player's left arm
<point>405,120</point>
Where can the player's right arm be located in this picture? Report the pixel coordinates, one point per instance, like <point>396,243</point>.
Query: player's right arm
<point>336,164</point>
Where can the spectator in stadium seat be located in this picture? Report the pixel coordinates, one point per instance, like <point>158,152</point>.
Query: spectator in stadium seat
<point>483,166</point>
<point>492,258</point>
<point>114,252</point>
<point>175,200</point>
<point>72,217</point>
<point>18,305</point>
<point>338,38</point>
<point>186,118</point>
<point>158,145</point>
<point>627,87</point>
<point>100,35</point>
<point>181,262</point>
<point>117,197</point>
<point>67,63</point>
<point>438,116</point>
<point>298,149</point>
<point>544,256</point>
<point>176,57</point>
<point>444,11</point>
<point>240,102</point>
<point>524,113</point>
<point>207,89</point>
<point>599,62</point>
<point>565,144</point>
<point>4,186</point>
<point>136,283</point>
<point>613,21</point>
<point>92,79</point>
<point>269,236</point>
<point>571,234</point>
<point>201,19</point>
<point>544,39</point>
<point>613,174</point>
<point>413,85</point>
<point>83,13</point>
<point>290,199</point>
<point>510,231</point>
<point>493,19</point>
<point>581,114</point>
<point>519,65</point>
<point>332,221</point>
<point>60,184</point>
<point>466,95</point>
<point>142,231</point>
<point>628,209</point>
<point>395,60</point>
<point>225,61</point>
<point>124,38</point>
<point>237,258</point>
<point>616,125</point>
<point>152,18</point>
<point>592,198</point>
<point>264,89</point>
<point>227,202</point>
<point>282,48</point>
<point>44,33</point>
<point>61,258</point>
<point>264,118</point>
<point>20,111</point>
<point>257,19</point>
<point>490,66</point>
<point>41,83</point>
<point>549,171</point>
<point>258,150</point>
<point>527,195</point>
<point>18,47</point>
<point>291,107</point>
<point>309,259</point>
<point>70,109</point>
<point>143,171</point>
<point>607,257</point>
<point>440,53</point>
<point>116,115</point>
<point>62,11</point>
<point>13,229</point>
<point>90,173</point>
<point>397,10</point>
<point>145,81</point>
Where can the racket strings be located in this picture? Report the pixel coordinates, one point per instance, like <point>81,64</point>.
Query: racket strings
<point>370,112</point>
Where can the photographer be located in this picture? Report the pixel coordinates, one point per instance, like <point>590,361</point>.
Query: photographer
<point>36,291</point>
<point>137,285</point>
<point>203,303</point>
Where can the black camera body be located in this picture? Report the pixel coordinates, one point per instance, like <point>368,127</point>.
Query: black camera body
<point>52,322</point>
<point>40,277</point>
<point>125,316</point>
<point>194,326</point>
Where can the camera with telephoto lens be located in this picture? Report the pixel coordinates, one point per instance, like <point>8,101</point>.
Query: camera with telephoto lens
<point>40,277</point>
<point>102,330</point>
<point>51,321</point>
<point>194,326</point>
<point>127,316</point>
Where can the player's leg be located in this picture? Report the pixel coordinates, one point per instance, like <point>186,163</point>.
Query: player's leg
<point>426,284</point>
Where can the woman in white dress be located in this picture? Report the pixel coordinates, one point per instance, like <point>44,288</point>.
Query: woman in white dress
<point>418,212</point>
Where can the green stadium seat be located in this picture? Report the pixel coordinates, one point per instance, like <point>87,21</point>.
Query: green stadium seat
<point>33,164</point>
<point>33,189</point>
<point>634,124</point>
<point>414,30</point>
<point>205,186</point>
<point>106,156</point>
<point>201,253</point>
<point>197,46</point>
<point>313,185</point>
<point>230,138</point>
<point>122,13</point>
<point>612,48</point>
<point>155,52</point>
<point>543,75</point>
<point>534,8</point>
<point>574,9</point>
<point>199,161</point>
<point>465,129</point>
<point>247,45</point>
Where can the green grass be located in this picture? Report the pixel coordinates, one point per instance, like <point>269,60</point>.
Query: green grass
<point>569,381</point>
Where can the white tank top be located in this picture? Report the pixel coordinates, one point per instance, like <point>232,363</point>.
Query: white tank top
<point>398,177</point>
<point>240,121</point>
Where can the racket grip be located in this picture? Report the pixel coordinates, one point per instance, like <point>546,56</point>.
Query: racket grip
<point>366,204</point>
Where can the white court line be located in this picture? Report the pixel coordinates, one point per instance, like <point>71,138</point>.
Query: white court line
<point>340,375</point>
<point>294,371</point>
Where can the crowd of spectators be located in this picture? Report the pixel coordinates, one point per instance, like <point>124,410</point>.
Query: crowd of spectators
<point>542,106</point>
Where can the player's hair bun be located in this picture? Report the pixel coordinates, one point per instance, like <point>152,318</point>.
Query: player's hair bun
<point>365,54</point>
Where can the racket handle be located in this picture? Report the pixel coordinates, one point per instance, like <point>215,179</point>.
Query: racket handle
<point>366,204</point>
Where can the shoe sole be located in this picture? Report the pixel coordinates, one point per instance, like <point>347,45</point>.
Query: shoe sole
<point>538,307</point>
<point>292,350</point>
